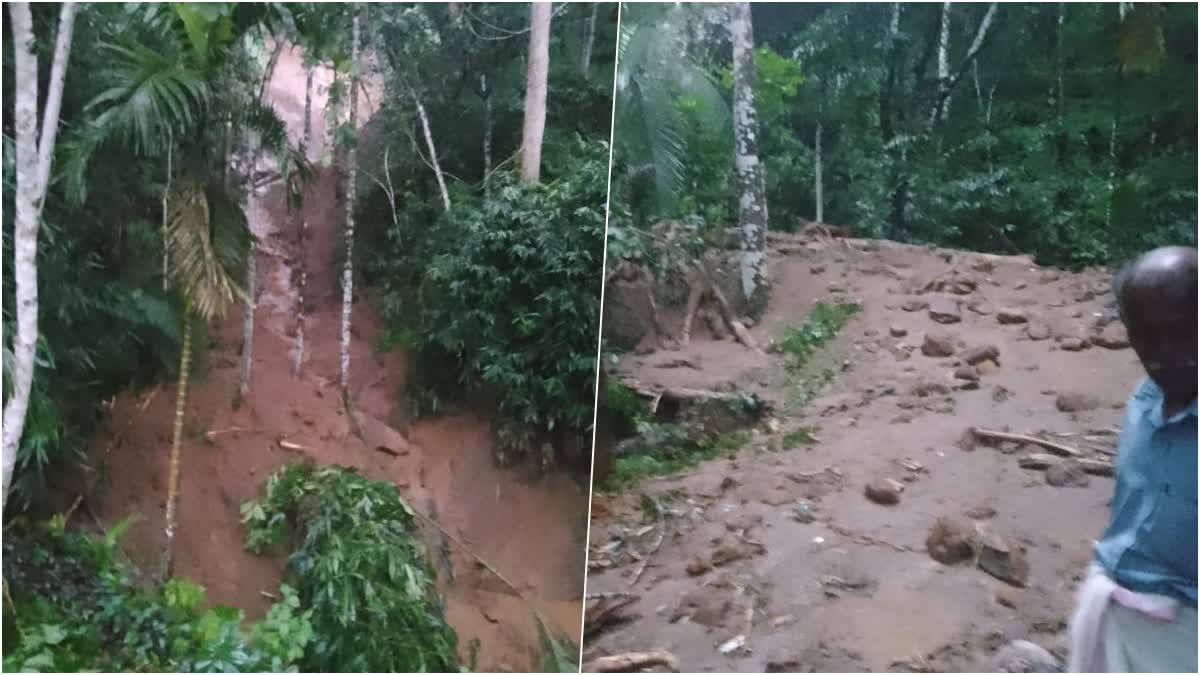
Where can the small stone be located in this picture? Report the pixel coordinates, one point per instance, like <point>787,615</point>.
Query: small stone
<point>817,269</point>
<point>1070,402</point>
<point>1037,331</point>
<point>1005,597</point>
<point>1004,560</point>
<point>949,541</point>
<point>1011,315</point>
<point>914,305</point>
<point>981,513</point>
<point>1000,393</point>
<point>981,307</point>
<point>1020,286</point>
<point>902,418</point>
<point>1022,656</point>
<point>897,332</point>
<point>967,373</point>
<point>884,491</point>
<point>944,311</point>
<point>697,567</point>
<point>987,367</point>
<point>1067,473</point>
<point>938,345</point>
<point>1073,344</point>
<point>1113,336</point>
<point>976,355</point>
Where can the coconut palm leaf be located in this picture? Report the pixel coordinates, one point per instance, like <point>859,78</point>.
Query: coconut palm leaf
<point>197,256</point>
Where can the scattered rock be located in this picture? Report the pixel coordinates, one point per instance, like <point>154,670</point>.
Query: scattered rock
<point>981,307</point>
<point>923,389</point>
<point>975,355</point>
<point>1022,656</point>
<point>1037,331</point>
<point>1020,286</point>
<point>938,345</point>
<point>945,311</point>
<point>914,305</point>
<point>697,567</point>
<point>983,265</point>
<point>1070,402</point>
<point>987,367</point>
<point>897,332</point>
<point>1011,315</point>
<point>1073,344</point>
<point>949,541</point>
<point>1005,597</point>
<point>1067,473</point>
<point>902,418</point>
<point>1004,560</point>
<point>1000,393</point>
<point>743,523</point>
<point>727,553</point>
<point>981,513</point>
<point>967,373</point>
<point>1113,336</point>
<point>884,491</point>
<point>817,269</point>
<point>1049,277</point>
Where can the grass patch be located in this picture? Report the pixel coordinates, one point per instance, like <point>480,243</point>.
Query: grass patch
<point>823,323</point>
<point>801,436</point>
<point>670,458</point>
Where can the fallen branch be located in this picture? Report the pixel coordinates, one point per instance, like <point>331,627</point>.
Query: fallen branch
<point>662,532</point>
<point>1042,461</point>
<point>632,662</point>
<point>231,430</point>
<point>1057,448</point>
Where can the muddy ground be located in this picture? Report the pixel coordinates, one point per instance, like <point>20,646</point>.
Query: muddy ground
<point>774,559</point>
<point>532,532</point>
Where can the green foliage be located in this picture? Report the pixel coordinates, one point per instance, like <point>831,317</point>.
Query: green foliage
<point>801,436</point>
<point>76,608</point>
<point>501,297</point>
<point>359,569</point>
<point>823,323</point>
<point>669,449</point>
<point>558,653</point>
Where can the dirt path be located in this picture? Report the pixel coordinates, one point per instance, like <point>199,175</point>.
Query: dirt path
<point>533,533</point>
<point>852,588</point>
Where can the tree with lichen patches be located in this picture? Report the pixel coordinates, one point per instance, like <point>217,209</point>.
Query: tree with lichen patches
<point>751,184</point>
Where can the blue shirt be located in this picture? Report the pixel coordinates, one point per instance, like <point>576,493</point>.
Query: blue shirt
<point>1150,543</point>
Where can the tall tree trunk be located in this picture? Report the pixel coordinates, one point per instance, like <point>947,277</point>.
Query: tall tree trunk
<point>433,159</point>
<point>536,70</point>
<point>185,363</point>
<point>252,255</point>
<point>32,159</point>
<point>351,178</point>
<point>943,67</point>
<point>751,190</point>
<point>818,188</point>
<point>166,262</point>
<point>981,34</point>
<point>306,141</point>
<point>589,37</point>
<point>487,136</point>
<point>1058,62</point>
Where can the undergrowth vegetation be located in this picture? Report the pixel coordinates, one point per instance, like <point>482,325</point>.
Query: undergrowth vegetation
<point>664,449</point>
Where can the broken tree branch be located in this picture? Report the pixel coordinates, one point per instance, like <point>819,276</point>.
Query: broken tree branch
<point>632,662</point>
<point>1057,448</point>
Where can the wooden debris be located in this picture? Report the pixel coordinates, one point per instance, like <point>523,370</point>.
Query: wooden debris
<point>1057,448</point>
<point>632,662</point>
<point>606,609</point>
<point>1041,461</point>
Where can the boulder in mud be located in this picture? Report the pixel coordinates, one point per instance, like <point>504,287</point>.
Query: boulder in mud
<point>897,331</point>
<point>1011,315</point>
<point>944,311</point>
<point>981,307</point>
<point>697,567</point>
<point>1022,656</point>
<point>967,373</point>
<point>1067,473</point>
<point>1073,401</point>
<point>938,344</point>
<point>1000,558</point>
<point>1073,344</point>
<point>914,305</point>
<point>949,541</point>
<point>986,367</point>
<point>1113,336</point>
<point>1037,331</point>
<point>884,491</point>
<point>976,355</point>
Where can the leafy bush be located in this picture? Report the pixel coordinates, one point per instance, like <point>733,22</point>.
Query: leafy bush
<point>823,323</point>
<point>501,298</point>
<point>359,569</point>
<point>77,608</point>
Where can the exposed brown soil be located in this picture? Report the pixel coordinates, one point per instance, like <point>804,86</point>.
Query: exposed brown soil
<point>532,532</point>
<point>848,585</point>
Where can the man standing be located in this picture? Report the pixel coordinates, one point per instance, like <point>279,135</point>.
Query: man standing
<point>1137,609</point>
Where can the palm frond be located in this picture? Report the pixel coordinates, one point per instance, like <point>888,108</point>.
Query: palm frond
<point>196,264</point>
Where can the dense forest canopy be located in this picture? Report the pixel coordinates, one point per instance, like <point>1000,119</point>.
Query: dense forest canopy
<point>1065,130</point>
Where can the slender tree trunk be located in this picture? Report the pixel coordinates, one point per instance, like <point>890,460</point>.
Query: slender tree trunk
<point>1061,98</point>
<point>252,256</point>
<point>981,33</point>
<point>589,38</point>
<point>185,363</point>
<point>306,142</point>
<point>166,263</point>
<point>818,188</point>
<point>351,179</point>
<point>537,68</point>
<point>943,67</point>
<point>298,355</point>
<point>32,159</point>
<point>751,190</point>
<point>487,136</point>
<point>433,159</point>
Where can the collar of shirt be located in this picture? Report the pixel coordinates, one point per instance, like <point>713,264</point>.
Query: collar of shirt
<point>1149,398</point>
